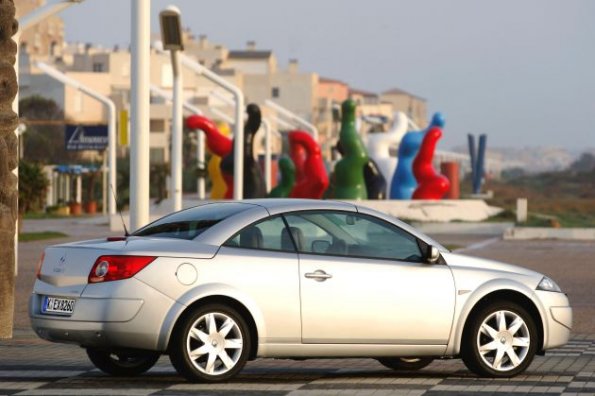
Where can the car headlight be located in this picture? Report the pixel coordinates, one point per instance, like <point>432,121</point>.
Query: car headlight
<point>547,284</point>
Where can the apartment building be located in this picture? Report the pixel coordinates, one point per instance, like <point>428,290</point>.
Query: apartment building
<point>255,71</point>
<point>45,37</point>
<point>412,105</point>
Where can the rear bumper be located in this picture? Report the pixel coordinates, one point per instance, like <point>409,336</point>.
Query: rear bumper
<point>105,322</point>
<point>95,322</point>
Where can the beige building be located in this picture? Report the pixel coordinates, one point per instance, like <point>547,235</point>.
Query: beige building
<point>206,53</point>
<point>44,38</point>
<point>412,105</point>
<point>327,114</point>
<point>256,72</point>
<point>251,60</point>
<point>369,107</point>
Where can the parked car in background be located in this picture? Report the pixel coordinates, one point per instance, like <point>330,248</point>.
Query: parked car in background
<point>222,283</point>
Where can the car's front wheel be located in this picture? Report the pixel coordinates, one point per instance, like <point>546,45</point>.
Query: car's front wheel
<point>500,340</point>
<point>404,363</point>
<point>122,364</point>
<point>211,344</point>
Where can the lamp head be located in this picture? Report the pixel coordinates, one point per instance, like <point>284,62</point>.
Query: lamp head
<point>171,29</point>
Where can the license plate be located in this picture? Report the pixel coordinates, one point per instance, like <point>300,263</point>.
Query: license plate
<point>57,305</point>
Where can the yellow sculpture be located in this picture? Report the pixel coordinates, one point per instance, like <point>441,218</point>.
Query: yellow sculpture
<point>218,187</point>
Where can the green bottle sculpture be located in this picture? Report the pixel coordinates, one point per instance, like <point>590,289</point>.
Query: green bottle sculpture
<point>287,169</point>
<point>349,182</point>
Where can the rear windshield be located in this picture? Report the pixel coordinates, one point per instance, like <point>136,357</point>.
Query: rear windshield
<point>189,223</point>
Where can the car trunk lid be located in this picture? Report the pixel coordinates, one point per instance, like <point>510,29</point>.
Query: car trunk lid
<point>67,266</point>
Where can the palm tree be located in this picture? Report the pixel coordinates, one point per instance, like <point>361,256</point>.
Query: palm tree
<point>8,161</point>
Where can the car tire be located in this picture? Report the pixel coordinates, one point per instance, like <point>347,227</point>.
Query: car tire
<point>122,364</point>
<point>405,363</point>
<point>210,344</point>
<point>500,340</point>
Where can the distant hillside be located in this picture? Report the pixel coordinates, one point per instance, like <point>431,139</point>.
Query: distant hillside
<point>534,159</point>
<point>567,197</point>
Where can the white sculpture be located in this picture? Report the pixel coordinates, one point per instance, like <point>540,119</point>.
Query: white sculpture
<point>379,144</point>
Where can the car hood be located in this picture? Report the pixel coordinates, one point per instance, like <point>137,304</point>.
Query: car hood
<point>461,261</point>
<point>163,247</point>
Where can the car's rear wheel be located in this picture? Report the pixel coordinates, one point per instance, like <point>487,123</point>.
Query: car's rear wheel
<point>211,344</point>
<point>122,364</point>
<point>500,340</point>
<point>405,363</point>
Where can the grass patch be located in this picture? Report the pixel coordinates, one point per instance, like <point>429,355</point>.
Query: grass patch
<point>40,236</point>
<point>556,199</point>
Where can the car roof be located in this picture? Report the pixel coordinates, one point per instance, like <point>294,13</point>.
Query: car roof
<point>278,205</point>
<point>262,208</point>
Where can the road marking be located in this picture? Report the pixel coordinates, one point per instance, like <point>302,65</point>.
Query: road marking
<point>479,245</point>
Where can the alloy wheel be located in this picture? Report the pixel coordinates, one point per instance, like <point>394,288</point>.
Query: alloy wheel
<point>503,340</point>
<point>214,343</point>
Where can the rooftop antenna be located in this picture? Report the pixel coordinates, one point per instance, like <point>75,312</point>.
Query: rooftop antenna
<point>119,211</point>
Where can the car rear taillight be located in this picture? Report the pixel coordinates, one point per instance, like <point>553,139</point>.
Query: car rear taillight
<point>39,264</point>
<point>111,268</point>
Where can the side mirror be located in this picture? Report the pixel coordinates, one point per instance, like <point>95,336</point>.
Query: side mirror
<point>320,246</point>
<point>432,255</point>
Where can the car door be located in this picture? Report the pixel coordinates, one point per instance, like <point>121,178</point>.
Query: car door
<point>363,281</point>
<point>261,264</point>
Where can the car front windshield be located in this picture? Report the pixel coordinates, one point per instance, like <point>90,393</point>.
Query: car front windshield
<point>190,223</point>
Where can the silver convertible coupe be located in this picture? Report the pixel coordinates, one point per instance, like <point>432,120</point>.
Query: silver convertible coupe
<point>223,283</point>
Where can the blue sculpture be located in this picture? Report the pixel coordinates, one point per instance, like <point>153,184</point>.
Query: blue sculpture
<point>477,158</point>
<point>403,184</point>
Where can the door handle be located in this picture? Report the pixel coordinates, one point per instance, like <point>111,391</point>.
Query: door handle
<point>318,275</point>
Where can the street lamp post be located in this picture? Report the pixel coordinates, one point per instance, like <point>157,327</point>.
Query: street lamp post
<point>238,172</point>
<point>171,36</point>
<point>200,149</point>
<point>111,126</point>
<point>139,113</point>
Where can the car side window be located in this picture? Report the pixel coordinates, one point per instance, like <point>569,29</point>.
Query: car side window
<point>268,234</point>
<point>353,234</point>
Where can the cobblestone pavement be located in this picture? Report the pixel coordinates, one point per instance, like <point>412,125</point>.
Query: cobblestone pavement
<point>30,366</point>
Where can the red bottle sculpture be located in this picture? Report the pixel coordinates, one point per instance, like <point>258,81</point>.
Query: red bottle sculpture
<point>311,179</point>
<point>220,146</point>
<point>217,142</point>
<point>430,185</point>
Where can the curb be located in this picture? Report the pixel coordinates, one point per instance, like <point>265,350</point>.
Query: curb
<point>527,233</point>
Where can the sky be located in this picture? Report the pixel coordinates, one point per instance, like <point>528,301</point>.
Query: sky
<point>520,71</point>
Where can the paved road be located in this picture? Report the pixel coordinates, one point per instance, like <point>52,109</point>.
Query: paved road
<point>29,366</point>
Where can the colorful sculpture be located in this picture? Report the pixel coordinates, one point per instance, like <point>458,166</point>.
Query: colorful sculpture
<point>349,182</point>
<point>311,177</point>
<point>219,144</point>
<point>403,183</point>
<point>477,157</point>
<point>379,144</point>
<point>431,185</point>
<point>375,181</point>
<point>218,186</point>
<point>254,186</point>
<point>288,172</point>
